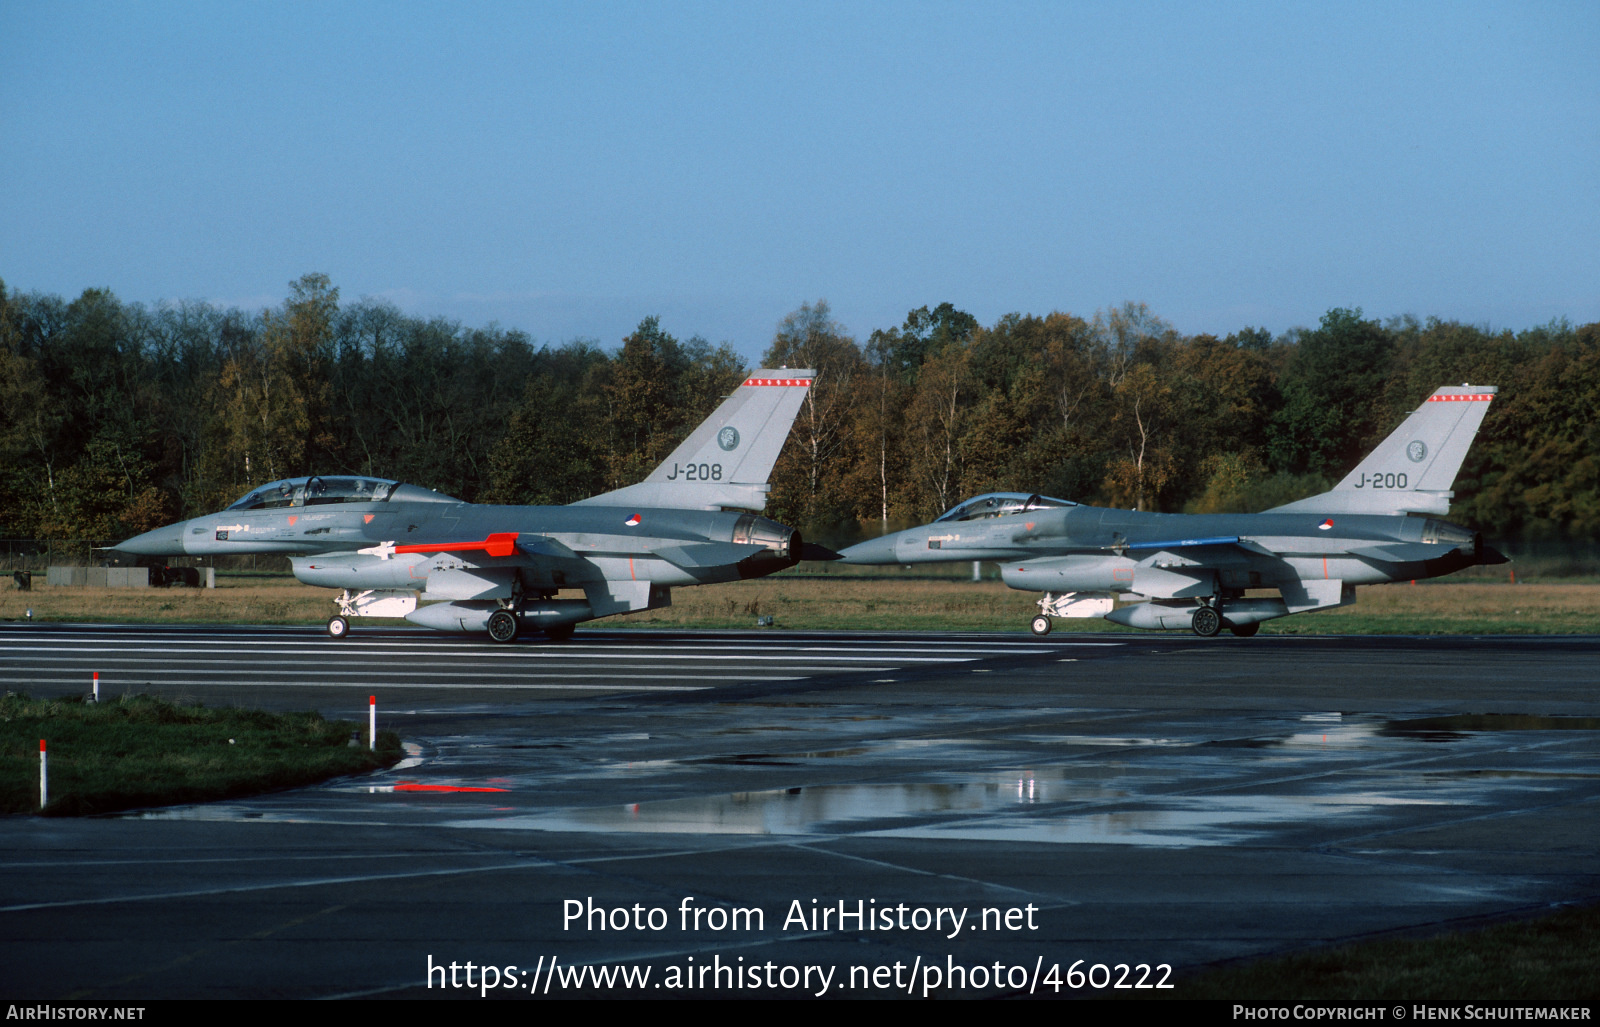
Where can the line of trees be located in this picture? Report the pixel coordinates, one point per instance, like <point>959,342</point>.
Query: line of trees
<point>116,418</point>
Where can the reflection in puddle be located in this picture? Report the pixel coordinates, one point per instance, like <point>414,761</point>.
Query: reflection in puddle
<point>414,757</point>
<point>1008,807</point>
<point>825,809</point>
<point>1109,741</point>
<point>1196,822</point>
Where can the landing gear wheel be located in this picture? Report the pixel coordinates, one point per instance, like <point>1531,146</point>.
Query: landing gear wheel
<point>1246,630</point>
<point>503,626</point>
<point>1041,625</point>
<point>338,627</point>
<point>559,633</point>
<point>1207,621</point>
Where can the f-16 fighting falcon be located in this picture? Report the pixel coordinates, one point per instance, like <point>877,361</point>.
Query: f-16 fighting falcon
<point>499,569</point>
<point>1194,569</point>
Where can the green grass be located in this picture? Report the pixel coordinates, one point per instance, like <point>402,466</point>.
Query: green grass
<point>1549,958</point>
<point>142,751</point>
<point>874,599</point>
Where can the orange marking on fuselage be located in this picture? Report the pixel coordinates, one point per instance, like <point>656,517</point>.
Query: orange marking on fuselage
<point>501,543</point>
<point>412,786</point>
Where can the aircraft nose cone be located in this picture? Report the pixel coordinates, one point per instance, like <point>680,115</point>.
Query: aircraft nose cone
<point>878,550</point>
<point>166,541</point>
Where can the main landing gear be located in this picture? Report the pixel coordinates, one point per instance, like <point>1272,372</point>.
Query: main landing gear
<point>503,626</point>
<point>1207,622</point>
<point>338,627</point>
<point>1040,625</point>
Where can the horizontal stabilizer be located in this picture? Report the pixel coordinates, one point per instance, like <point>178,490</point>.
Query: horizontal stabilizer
<point>708,554</point>
<point>1402,552</point>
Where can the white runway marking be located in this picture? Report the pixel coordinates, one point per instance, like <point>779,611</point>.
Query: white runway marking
<point>324,655</point>
<point>601,665</point>
<point>317,882</point>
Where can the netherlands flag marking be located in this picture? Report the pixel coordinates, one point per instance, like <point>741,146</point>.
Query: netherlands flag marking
<point>633,522</point>
<point>1325,525</point>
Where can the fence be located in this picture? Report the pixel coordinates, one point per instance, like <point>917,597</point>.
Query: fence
<point>38,555</point>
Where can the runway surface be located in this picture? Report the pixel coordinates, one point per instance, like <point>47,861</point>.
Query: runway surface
<point>1140,799</point>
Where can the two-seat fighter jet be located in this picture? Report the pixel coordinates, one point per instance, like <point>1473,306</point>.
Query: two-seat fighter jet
<point>499,569</point>
<point>1195,569</point>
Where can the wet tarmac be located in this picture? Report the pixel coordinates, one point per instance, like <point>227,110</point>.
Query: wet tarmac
<point>1156,800</point>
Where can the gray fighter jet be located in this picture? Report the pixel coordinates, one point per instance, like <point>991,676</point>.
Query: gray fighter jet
<point>500,569</point>
<point>1194,570</point>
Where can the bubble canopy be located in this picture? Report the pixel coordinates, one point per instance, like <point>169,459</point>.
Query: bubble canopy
<point>317,489</point>
<point>1000,504</point>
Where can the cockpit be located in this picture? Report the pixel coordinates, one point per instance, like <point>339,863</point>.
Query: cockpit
<point>316,490</point>
<point>1000,504</point>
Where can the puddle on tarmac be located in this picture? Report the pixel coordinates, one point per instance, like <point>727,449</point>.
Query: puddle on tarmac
<point>776,759</point>
<point>1014,806</point>
<point>824,809</point>
<point>1443,729</point>
<point>414,757</point>
<point>1331,730</point>
<point>1100,740</point>
<point>1195,822</point>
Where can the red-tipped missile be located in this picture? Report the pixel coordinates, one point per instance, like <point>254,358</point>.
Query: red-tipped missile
<point>501,543</point>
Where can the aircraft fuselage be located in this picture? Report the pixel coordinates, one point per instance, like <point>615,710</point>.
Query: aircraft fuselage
<point>1093,549</point>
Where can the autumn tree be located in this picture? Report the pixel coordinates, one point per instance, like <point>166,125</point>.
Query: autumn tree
<point>809,481</point>
<point>1333,395</point>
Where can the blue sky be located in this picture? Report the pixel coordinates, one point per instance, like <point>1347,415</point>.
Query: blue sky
<point>569,169</point>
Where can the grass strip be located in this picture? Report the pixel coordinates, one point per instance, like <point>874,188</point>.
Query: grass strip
<point>142,751</point>
<point>1545,959</point>
<point>887,600</point>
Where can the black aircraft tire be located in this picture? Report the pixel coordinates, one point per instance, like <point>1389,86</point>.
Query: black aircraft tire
<point>1246,630</point>
<point>338,627</point>
<point>503,626</point>
<point>1206,622</point>
<point>1041,625</point>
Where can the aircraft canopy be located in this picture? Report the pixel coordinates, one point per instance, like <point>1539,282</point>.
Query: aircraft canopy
<point>999,504</point>
<point>316,490</point>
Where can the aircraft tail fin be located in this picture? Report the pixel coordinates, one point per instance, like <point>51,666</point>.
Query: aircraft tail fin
<point>1412,470</point>
<point>726,461</point>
